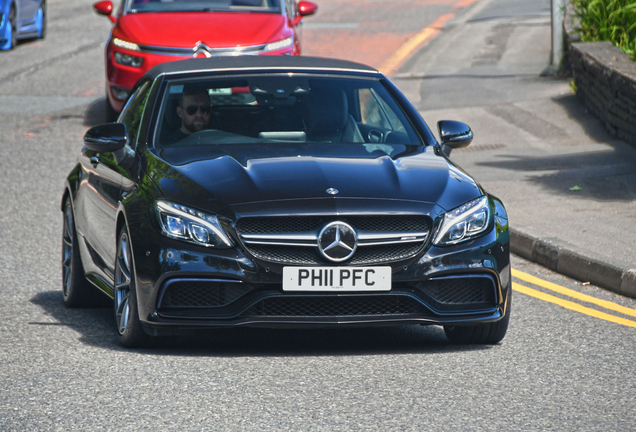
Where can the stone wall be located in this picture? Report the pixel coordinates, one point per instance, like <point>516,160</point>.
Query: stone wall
<point>605,79</point>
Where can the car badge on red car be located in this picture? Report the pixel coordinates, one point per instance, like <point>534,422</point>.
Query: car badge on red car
<point>201,50</point>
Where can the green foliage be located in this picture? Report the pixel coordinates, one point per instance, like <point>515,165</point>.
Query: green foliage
<point>573,86</point>
<point>608,20</point>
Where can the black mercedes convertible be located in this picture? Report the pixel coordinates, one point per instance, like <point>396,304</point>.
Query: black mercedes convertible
<point>273,191</point>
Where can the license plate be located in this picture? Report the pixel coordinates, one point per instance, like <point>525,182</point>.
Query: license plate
<point>336,278</point>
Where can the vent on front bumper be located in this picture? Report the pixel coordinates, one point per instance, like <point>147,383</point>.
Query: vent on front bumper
<point>201,293</point>
<point>294,240</point>
<point>335,306</point>
<point>468,292</point>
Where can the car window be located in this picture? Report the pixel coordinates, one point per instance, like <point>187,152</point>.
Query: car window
<point>376,112</point>
<point>119,8</point>
<point>204,5</point>
<point>270,109</point>
<point>291,8</point>
<point>133,111</point>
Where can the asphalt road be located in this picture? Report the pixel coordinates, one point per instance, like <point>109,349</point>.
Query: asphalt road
<point>562,366</point>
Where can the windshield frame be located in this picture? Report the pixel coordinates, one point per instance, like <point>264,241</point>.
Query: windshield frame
<point>421,134</point>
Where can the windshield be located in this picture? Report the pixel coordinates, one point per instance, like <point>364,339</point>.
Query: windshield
<point>204,5</point>
<point>281,108</point>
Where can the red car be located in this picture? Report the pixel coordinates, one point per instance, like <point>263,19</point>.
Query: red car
<point>149,32</point>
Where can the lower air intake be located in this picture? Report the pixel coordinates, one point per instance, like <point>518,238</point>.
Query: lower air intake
<point>460,292</point>
<point>197,293</point>
<point>307,306</point>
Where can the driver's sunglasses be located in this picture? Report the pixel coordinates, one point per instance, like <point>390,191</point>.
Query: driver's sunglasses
<point>192,109</point>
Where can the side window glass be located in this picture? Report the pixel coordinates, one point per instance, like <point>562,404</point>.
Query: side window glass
<point>371,112</point>
<point>133,112</point>
<point>396,124</point>
<point>375,112</point>
<point>291,8</point>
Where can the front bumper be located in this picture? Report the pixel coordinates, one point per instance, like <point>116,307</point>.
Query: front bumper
<point>183,287</point>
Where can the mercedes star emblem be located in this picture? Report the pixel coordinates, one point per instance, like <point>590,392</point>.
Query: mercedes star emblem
<point>337,241</point>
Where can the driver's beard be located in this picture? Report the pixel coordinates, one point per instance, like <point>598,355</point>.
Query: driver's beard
<point>190,127</point>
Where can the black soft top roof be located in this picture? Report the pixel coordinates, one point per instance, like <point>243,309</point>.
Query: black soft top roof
<point>256,62</point>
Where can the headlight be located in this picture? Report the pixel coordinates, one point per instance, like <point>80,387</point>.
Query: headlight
<point>194,226</point>
<point>280,44</point>
<point>465,222</point>
<point>128,60</point>
<point>125,44</point>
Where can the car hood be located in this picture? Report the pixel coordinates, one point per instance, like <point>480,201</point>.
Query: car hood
<point>215,29</point>
<point>214,178</point>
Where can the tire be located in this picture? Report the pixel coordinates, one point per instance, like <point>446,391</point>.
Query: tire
<point>131,333</point>
<point>12,39</point>
<point>41,21</point>
<point>483,334</point>
<point>76,290</point>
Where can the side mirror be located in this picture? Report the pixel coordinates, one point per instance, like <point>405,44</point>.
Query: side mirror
<point>305,8</point>
<point>105,8</point>
<point>454,134</point>
<point>108,137</point>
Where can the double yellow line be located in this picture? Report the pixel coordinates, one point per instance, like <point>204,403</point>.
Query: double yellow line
<point>575,295</point>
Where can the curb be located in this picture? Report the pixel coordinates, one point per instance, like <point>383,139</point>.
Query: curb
<point>563,258</point>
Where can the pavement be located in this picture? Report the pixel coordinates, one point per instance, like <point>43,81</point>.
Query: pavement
<point>568,186</point>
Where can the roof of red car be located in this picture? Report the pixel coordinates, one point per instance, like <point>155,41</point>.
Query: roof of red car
<point>256,62</point>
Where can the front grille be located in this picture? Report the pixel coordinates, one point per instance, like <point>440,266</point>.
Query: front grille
<point>460,291</point>
<point>309,256</point>
<point>292,224</point>
<point>389,223</point>
<point>335,306</point>
<point>396,249</point>
<point>196,293</point>
<point>191,52</point>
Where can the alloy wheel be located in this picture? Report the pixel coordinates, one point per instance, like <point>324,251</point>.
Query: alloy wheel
<point>67,249</point>
<point>123,284</point>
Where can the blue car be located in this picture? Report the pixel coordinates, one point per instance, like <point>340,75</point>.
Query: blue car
<point>21,19</point>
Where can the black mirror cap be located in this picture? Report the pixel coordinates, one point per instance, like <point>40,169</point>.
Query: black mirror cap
<point>454,134</point>
<point>108,137</point>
